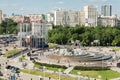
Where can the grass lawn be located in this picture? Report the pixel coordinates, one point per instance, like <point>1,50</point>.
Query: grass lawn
<point>116,49</point>
<point>109,74</point>
<point>11,52</point>
<point>2,79</point>
<point>23,57</point>
<point>52,45</point>
<point>55,69</point>
<point>53,76</point>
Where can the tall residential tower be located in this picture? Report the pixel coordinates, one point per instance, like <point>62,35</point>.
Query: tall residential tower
<point>106,10</point>
<point>66,17</point>
<point>91,15</point>
<point>0,16</point>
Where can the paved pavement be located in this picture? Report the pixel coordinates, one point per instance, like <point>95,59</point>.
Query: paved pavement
<point>115,69</point>
<point>24,76</point>
<point>68,70</point>
<point>116,79</point>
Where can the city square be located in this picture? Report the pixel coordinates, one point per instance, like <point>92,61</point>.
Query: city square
<point>60,40</point>
<point>93,56</point>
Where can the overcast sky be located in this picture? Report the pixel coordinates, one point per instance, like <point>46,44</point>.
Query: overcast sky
<point>44,6</point>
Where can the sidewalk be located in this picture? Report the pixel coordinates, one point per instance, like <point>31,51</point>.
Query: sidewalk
<point>68,70</point>
<point>115,69</point>
<point>116,79</point>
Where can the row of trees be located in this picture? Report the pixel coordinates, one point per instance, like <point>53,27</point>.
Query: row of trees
<point>85,35</point>
<point>8,27</point>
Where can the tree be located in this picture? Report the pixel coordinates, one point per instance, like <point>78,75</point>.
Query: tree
<point>8,26</point>
<point>86,35</point>
<point>116,41</point>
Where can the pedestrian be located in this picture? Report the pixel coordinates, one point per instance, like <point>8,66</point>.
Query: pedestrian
<point>0,66</point>
<point>18,74</point>
<point>6,63</point>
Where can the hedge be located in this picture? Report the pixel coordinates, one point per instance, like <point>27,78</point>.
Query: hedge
<point>83,68</point>
<point>50,65</point>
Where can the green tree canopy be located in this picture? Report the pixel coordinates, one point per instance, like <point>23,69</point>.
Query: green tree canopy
<point>86,35</point>
<point>8,27</point>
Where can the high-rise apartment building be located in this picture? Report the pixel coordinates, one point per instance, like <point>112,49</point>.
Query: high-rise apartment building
<point>106,10</point>
<point>82,18</point>
<point>90,15</point>
<point>66,17</point>
<point>0,16</point>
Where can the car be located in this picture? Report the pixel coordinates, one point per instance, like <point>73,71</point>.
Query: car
<point>9,67</point>
<point>15,70</point>
<point>31,58</point>
<point>12,77</point>
<point>0,49</point>
<point>1,53</point>
<point>1,74</point>
<point>28,54</point>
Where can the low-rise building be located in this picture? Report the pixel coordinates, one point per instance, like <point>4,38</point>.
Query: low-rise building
<point>108,20</point>
<point>35,17</point>
<point>17,18</point>
<point>49,17</point>
<point>118,22</point>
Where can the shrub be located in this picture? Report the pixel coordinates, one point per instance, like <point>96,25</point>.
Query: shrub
<point>82,68</point>
<point>50,65</point>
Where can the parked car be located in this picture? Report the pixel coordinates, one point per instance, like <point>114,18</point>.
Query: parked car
<point>15,70</point>
<point>28,54</point>
<point>9,67</point>
<point>1,53</point>
<point>0,49</point>
<point>1,74</point>
<point>12,77</point>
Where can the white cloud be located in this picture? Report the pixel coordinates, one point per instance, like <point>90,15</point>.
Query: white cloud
<point>60,2</point>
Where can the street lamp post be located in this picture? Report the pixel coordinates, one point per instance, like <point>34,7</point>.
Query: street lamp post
<point>5,74</point>
<point>44,71</point>
<point>107,44</point>
<point>78,75</point>
<point>92,43</point>
<point>59,73</point>
<point>115,44</point>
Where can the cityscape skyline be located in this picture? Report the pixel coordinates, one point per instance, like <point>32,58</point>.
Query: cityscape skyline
<point>38,7</point>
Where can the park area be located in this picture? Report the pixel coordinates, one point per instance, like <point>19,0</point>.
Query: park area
<point>53,76</point>
<point>104,75</point>
<point>11,52</point>
<point>92,72</point>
